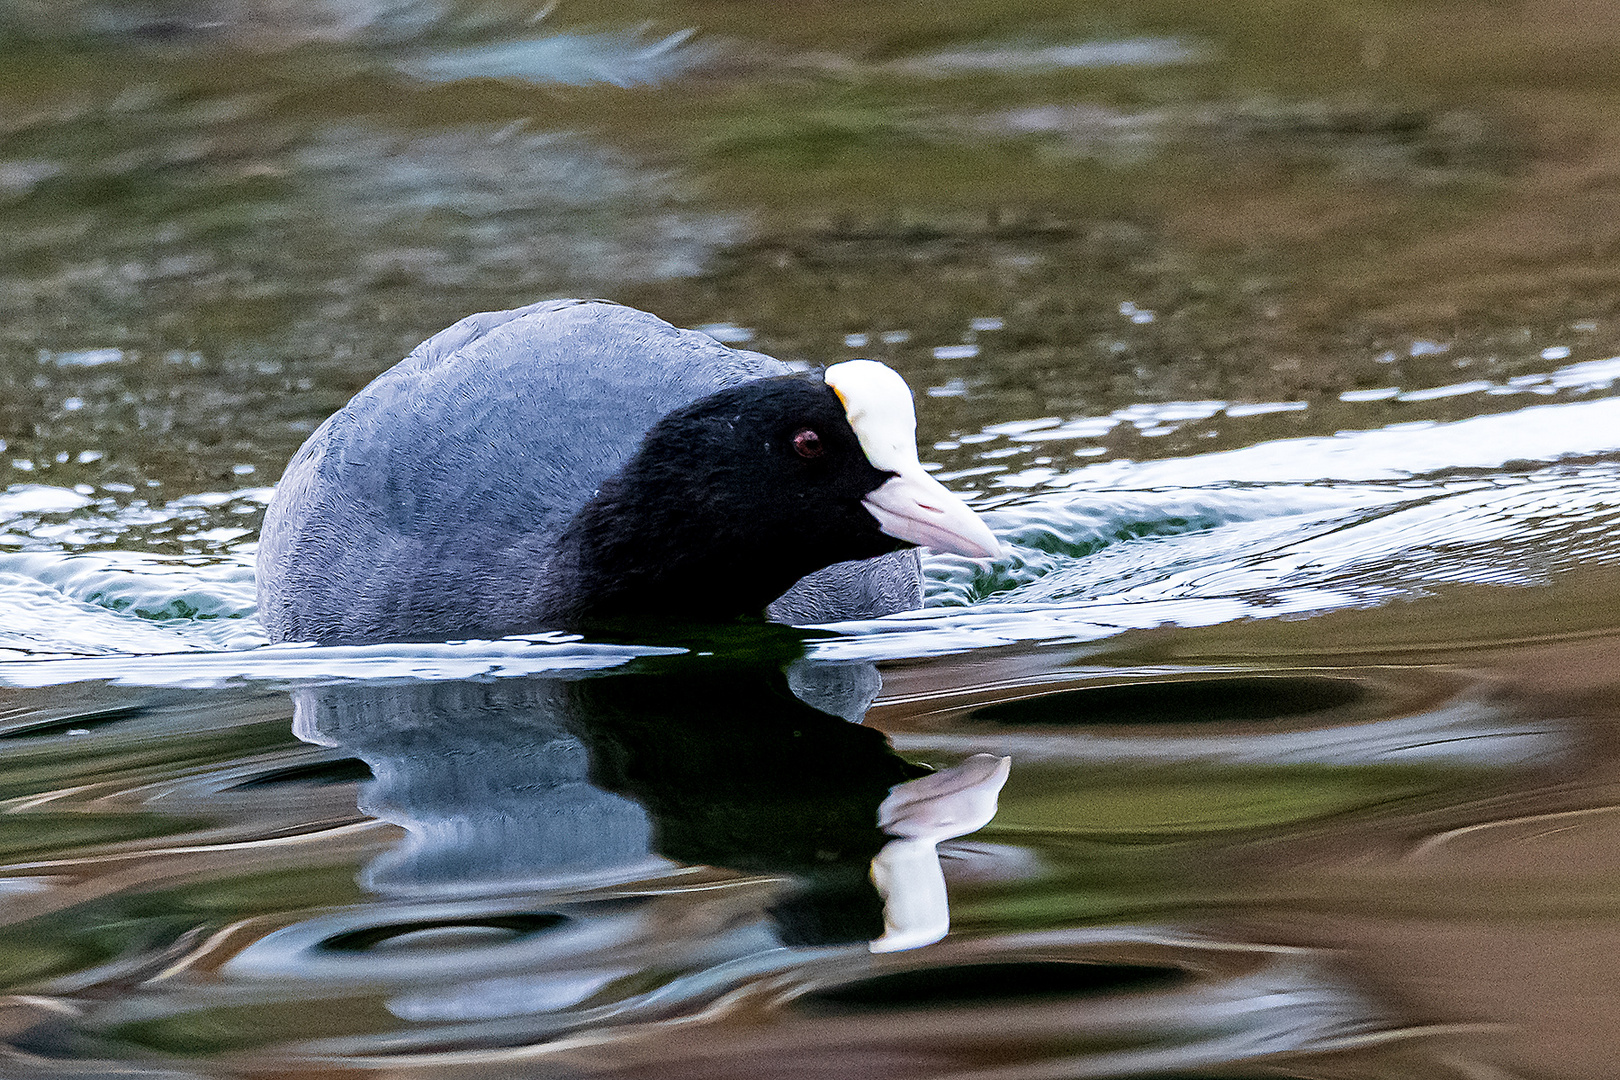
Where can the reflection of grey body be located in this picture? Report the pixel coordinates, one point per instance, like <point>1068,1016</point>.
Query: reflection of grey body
<point>847,689</point>
<point>514,420</point>
<point>519,784</point>
<point>488,781</point>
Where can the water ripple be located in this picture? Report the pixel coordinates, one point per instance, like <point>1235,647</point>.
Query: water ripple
<point>1509,499</point>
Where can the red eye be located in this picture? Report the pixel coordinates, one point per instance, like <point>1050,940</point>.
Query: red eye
<point>807,444</point>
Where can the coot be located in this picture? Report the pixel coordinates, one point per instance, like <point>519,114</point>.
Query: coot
<point>574,463</point>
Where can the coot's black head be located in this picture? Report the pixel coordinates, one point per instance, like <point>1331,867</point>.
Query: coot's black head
<point>775,458</point>
<point>733,498</point>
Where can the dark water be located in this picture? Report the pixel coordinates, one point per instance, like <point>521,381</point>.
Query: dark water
<point>1277,344</point>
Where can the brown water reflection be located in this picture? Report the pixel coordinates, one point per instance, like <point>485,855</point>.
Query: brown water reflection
<point>1401,865</point>
<point>1479,912</point>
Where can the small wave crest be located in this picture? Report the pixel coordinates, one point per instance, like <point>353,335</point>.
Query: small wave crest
<point>103,603</point>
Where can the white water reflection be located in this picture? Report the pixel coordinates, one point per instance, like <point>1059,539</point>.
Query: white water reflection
<point>540,654</point>
<point>1129,52</point>
<point>568,59</point>
<point>1539,434</point>
<point>1154,419</point>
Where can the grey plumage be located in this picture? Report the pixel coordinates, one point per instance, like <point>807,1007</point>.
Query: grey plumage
<point>426,509</point>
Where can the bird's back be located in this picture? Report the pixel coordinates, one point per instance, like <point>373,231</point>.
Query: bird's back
<point>426,508</point>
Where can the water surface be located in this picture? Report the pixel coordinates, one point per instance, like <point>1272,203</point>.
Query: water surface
<point>1284,364</point>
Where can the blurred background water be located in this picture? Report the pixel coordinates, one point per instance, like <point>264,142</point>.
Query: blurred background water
<point>1280,343</point>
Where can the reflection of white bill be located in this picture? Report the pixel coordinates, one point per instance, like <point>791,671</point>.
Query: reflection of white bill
<point>919,814</point>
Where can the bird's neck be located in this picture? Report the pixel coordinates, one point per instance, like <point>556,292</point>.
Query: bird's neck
<point>628,555</point>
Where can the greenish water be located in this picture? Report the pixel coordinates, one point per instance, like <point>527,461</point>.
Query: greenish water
<point>1278,343</point>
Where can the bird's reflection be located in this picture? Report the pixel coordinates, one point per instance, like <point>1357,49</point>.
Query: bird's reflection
<point>547,783</point>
